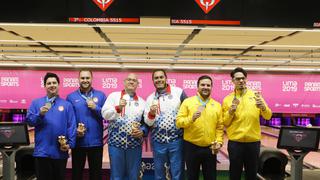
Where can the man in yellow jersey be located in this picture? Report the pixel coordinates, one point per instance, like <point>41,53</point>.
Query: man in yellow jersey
<point>241,116</point>
<point>201,118</point>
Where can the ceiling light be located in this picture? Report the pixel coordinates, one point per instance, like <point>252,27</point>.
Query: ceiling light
<point>292,69</point>
<point>11,64</point>
<point>49,65</point>
<point>151,66</point>
<point>209,67</point>
<point>98,65</point>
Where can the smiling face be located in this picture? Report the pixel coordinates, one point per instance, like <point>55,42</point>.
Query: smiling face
<point>240,81</point>
<point>159,80</point>
<point>204,88</point>
<point>52,87</point>
<point>131,83</point>
<point>85,80</point>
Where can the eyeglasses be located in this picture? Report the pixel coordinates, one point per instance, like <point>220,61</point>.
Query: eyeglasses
<point>239,78</point>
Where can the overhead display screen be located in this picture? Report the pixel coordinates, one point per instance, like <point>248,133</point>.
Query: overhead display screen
<point>247,13</point>
<point>104,11</point>
<point>206,12</point>
<point>73,11</point>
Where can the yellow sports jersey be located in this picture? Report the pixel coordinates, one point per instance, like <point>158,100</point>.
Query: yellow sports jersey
<point>244,124</point>
<point>204,130</point>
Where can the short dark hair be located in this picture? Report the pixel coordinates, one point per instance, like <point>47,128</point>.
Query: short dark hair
<point>156,70</point>
<point>50,75</point>
<point>85,70</point>
<point>238,69</point>
<point>203,77</point>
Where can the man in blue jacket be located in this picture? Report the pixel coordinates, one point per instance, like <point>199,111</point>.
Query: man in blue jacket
<point>55,131</point>
<point>87,103</point>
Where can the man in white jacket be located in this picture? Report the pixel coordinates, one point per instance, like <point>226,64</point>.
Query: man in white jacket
<point>124,110</point>
<point>162,107</point>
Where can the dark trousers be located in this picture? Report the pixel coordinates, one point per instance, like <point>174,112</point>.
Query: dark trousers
<point>50,169</point>
<point>79,156</point>
<point>197,156</point>
<point>243,155</point>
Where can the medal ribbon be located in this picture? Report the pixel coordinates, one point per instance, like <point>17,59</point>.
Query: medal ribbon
<point>203,103</point>
<point>135,98</point>
<point>158,95</point>
<point>86,96</point>
<point>51,100</point>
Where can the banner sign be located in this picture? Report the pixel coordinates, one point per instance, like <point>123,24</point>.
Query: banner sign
<point>284,93</point>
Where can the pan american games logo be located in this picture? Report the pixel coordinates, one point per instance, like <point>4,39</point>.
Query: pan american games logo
<point>103,4</point>
<point>207,5</point>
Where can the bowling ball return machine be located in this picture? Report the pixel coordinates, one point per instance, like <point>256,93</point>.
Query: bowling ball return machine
<point>298,141</point>
<point>12,136</point>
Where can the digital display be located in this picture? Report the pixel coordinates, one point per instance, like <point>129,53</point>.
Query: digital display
<point>298,138</point>
<point>104,11</point>
<point>75,11</point>
<point>206,12</point>
<point>247,13</point>
<point>13,134</point>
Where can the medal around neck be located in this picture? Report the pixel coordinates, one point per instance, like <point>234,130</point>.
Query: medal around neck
<point>235,101</point>
<point>126,97</point>
<point>201,108</point>
<point>48,105</point>
<point>89,100</point>
<point>155,102</point>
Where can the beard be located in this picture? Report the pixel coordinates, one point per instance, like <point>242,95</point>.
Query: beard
<point>204,95</point>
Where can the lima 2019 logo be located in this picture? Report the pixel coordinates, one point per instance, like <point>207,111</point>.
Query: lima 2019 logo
<point>103,4</point>
<point>207,5</point>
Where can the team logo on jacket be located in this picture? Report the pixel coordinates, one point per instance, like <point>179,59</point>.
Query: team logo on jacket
<point>60,108</point>
<point>95,99</point>
<point>207,5</point>
<point>103,4</point>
